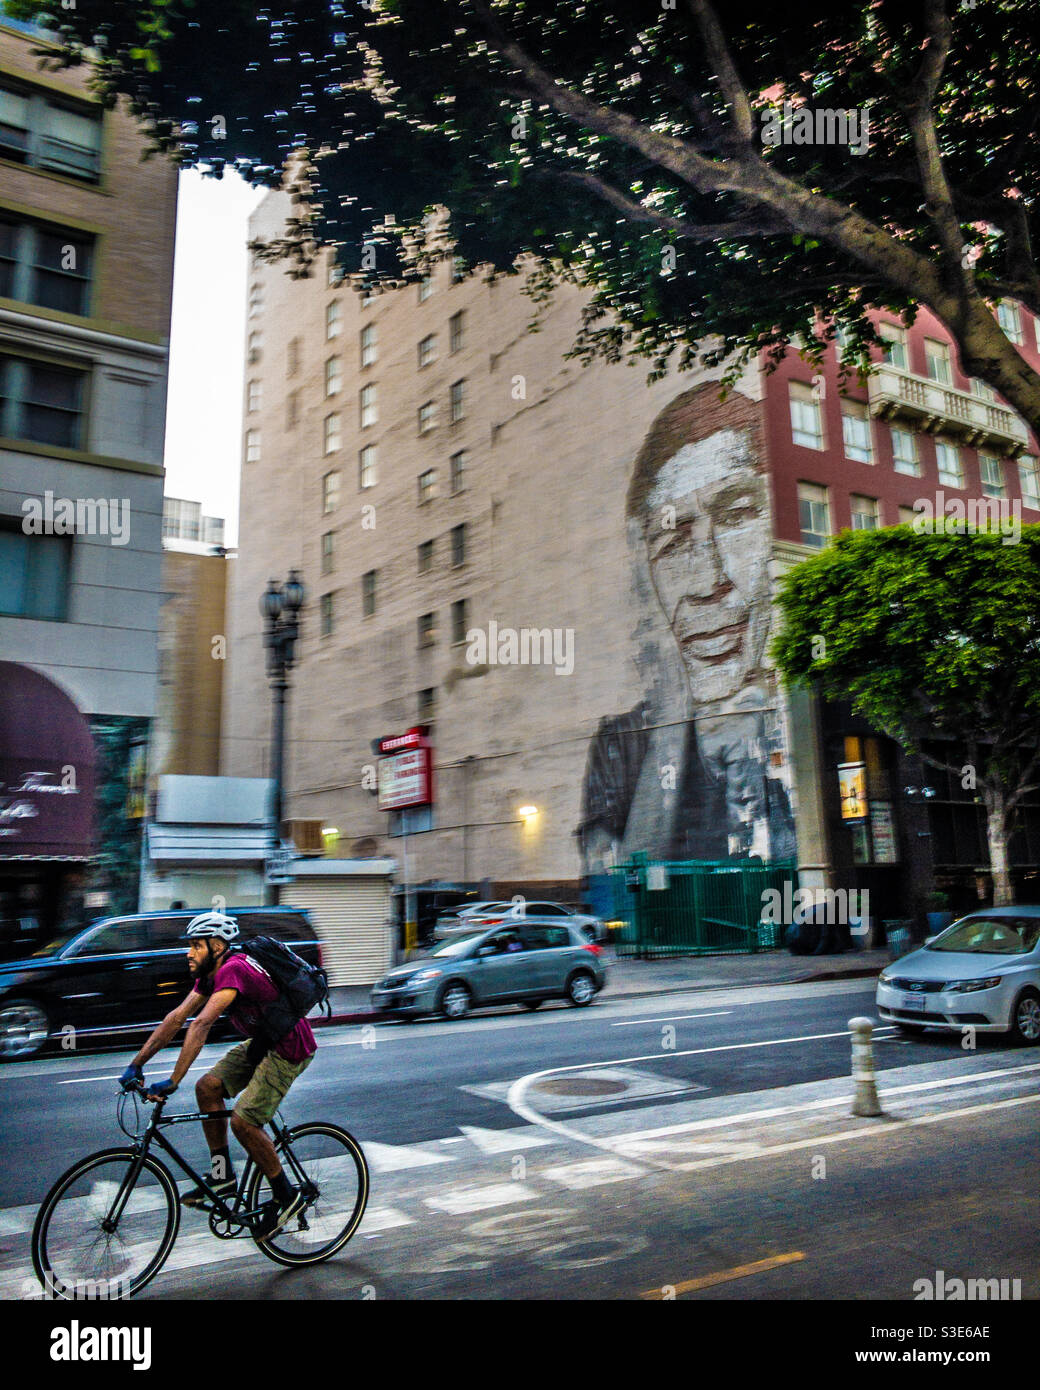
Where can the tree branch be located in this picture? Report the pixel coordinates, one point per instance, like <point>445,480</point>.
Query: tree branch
<point>721,63</point>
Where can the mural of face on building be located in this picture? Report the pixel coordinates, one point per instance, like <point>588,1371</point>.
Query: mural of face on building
<point>705,522</point>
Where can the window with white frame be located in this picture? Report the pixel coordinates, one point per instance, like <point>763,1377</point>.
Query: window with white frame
<point>895,352</point>
<point>47,133</point>
<point>335,272</point>
<point>458,401</point>
<point>806,417</point>
<point>326,615</point>
<point>252,446</point>
<point>427,416</point>
<point>368,467</point>
<point>937,361</point>
<point>458,472</point>
<point>333,376</point>
<point>425,557</point>
<point>1029,481</point>
<point>948,457</point>
<point>333,319</point>
<point>905,456</point>
<point>981,390</point>
<point>427,485</point>
<point>814,514</point>
<point>425,288</point>
<point>1010,320</point>
<point>427,349</point>
<point>906,516</point>
<point>991,474</point>
<point>328,552</point>
<point>332,433</point>
<point>369,344</point>
<point>855,429</point>
<point>455,330</point>
<point>865,513</point>
<point>330,492</point>
<point>368,406</point>
<point>255,393</point>
<point>426,629</point>
<point>369,581</point>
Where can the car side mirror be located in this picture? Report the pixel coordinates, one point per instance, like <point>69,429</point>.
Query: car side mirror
<point>929,939</point>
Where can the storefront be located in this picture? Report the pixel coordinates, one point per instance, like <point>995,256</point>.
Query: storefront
<point>47,824</point>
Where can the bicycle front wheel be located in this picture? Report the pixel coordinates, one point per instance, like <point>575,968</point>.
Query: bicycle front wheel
<point>98,1236</point>
<point>327,1164</point>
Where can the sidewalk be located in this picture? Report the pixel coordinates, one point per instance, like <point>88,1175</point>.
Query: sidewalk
<point>625,978</point>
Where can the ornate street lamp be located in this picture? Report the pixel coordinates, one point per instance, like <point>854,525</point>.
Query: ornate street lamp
<point>280,605</point>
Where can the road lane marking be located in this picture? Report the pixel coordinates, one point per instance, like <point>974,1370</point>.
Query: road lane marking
<point>500,1141</point>
<point>467,1199</point>
<point>81,1080</point>
<point>723,1276</point>
<point>669,1018</point>
<point>592,1172</point>
<point>391,1158</point>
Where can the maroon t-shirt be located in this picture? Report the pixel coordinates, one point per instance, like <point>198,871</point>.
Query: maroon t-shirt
<point>255,987</point>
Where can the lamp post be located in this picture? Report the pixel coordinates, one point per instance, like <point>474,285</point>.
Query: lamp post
<point>280,605</point>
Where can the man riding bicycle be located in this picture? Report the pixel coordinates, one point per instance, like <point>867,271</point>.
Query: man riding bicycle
<point>230,981</point>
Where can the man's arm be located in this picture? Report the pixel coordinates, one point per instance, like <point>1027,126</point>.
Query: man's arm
<point>198,1031</point>
<point>169,1027</point>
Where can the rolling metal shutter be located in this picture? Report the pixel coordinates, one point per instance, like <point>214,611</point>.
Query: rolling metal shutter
<point>351,916</point>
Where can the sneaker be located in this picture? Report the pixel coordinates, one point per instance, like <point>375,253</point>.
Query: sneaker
<point>273,1215</point>
<point>203,1196</point>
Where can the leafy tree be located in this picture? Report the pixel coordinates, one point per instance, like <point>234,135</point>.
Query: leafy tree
<point>930,635</point>
<point>626,145</point>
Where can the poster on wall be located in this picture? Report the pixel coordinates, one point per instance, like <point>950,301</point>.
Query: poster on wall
<point>883,830</point>
<point>852,786</point>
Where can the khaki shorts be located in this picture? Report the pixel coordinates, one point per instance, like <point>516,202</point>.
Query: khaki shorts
<point>263,1086</point>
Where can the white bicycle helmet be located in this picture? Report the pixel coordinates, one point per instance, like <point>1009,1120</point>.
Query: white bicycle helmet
<point>211,924</point>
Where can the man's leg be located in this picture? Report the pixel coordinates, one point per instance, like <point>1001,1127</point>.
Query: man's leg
<point>256,1107</point>
<point>212,1091</point>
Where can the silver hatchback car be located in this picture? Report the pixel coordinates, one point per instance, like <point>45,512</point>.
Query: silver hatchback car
<point>523,963</point>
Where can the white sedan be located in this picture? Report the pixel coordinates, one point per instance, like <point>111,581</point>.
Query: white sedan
<point>983,972</point>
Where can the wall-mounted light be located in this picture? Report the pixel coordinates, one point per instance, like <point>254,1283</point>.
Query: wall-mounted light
<point>527,813</point>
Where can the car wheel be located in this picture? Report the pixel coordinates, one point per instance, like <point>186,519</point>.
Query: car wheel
<point>1025,1019</point>
<point>581,989</point>
<point>455,1001</point>
<point>533,1004</point>
<point>24,1027</point>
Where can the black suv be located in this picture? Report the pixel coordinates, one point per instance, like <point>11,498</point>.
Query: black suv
<point>120,974</point>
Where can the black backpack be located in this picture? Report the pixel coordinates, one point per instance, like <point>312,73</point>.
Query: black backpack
<point>300,986</point>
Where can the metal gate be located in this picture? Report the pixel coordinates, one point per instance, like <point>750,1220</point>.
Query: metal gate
<point>696,907</point>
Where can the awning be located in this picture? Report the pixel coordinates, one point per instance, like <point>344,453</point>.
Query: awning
<point>47,770</point>
<point>202,844</point>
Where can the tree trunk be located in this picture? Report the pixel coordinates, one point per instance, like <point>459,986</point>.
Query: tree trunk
<point>997,817</point>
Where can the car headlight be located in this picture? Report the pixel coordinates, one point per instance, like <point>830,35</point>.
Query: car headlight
<point>971,986</point>
<point>884,977</point>
<point>421,976</point>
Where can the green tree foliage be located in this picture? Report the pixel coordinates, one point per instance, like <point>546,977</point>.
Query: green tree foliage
<point>929,635</point>
<point>621,143</point>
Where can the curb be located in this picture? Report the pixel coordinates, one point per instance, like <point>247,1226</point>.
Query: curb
<point>862,973</point>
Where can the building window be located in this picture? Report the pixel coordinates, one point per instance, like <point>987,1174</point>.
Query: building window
<point>256,299</point>
<point>814,514</point>
<point>335,272</point>
<point>427,705</point>
<point>252,446</point>
<point>368,471</point>
<point>255,392</point>
<point>333,319</point>
<point>45,266</point>
<point>906,516</point>
<point>328,552</point>
<point>332,433</point>
<point>256,344</point>
<point>991,473</point>
<point>330,492</point>
<point>455,330</point>
<point>333,376</point>
<point>937,362</point>
<point>948,457</point>
<point>34,573</point>
<point>981,390</point>
<point>806,420</point>
<point>894,353</point>
<point>1010,320</point>
<point>458,544</point>
<point>41,402</point>
<point>369,408</point>
<point>292,410</point>
<point>368,593</point>
<point>292,357</point>
<point>326,615</point>
<point>1029,481</point>
<point>427,485</point>
<point>458,472</point>
<point>369,345</point>
<point>904,452</point>
<point>865,515</point>
<point>427,417</point>
<point>426,557</point>
<point>855,429</point>
<point>47,134</point>
<point>458,401</point>
<point>458,269</point>
<point>427,349</point>
<point>458,620</point>
<point>427,629</point>
<point>425,288</point>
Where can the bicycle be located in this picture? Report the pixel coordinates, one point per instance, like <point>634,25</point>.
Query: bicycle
<point>109,1223</point>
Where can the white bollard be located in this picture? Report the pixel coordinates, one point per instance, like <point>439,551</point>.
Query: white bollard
<point>865,1101</point>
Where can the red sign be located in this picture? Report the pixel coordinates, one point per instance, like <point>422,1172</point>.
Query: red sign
<point>405,777</point>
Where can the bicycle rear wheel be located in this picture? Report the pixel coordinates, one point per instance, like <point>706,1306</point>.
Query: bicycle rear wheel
<point>81,1250</point>
<point>328,1165</point>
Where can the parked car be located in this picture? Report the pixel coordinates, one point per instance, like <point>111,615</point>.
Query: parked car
<point>983,970</point>
<point>523,963</point>
<point>463,919</point>
<point>490,914</point>
<point>120,974</point>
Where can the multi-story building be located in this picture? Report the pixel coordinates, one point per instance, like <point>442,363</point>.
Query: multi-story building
<point>86,266</point>
<point>565,575</point>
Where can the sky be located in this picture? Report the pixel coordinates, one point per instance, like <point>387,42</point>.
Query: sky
<point>207,344</point>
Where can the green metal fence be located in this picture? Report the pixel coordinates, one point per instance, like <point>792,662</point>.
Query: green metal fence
<point>696,907</point>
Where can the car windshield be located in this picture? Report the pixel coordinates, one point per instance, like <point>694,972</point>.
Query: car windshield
<point>990,936</point>
<point>457,946</point>
<point>53,947</point>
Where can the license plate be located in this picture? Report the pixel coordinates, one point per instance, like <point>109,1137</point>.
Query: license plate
<point>914,1001</point>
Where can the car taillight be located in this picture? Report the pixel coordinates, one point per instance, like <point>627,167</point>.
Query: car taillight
<point>491,921</point>
<point>596,950</point>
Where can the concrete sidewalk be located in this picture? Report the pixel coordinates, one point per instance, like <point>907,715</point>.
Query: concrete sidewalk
<point>626,977</point>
